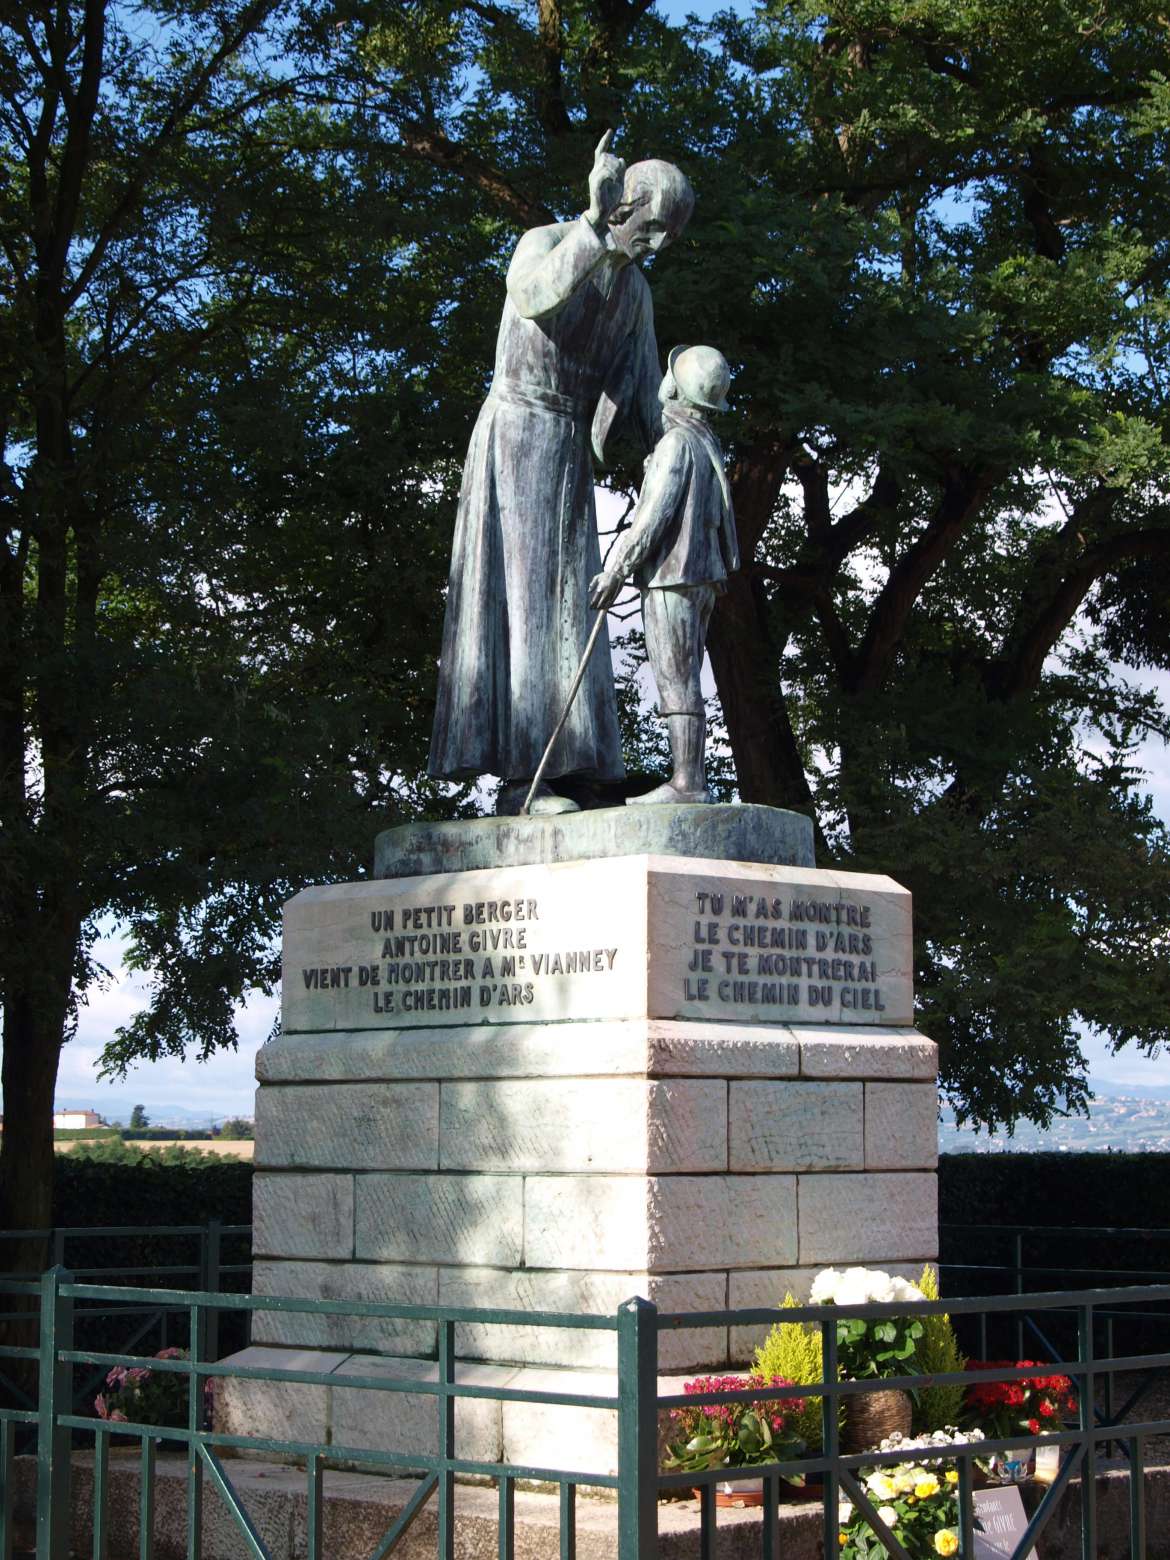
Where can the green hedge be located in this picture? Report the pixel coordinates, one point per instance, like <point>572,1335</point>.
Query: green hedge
<point>166,1135</point>
<point>1069,1193</point>
<point>1114,1190</point>
<point>151,1191</point>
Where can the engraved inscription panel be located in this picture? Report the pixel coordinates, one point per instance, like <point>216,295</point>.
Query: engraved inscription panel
<point>631,937</point>
<point>760,944</point>
<point>529,944</point>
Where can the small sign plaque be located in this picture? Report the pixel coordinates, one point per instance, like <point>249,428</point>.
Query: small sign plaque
<point>1002,1523</point>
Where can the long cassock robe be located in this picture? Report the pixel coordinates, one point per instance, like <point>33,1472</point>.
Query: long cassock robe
<point>576,350</point>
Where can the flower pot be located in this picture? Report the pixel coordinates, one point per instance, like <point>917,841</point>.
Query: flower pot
<point>872,1416</point>
<point>743,1492</point>
<point>1012,1467</point>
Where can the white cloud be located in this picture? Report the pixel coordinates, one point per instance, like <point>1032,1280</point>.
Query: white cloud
<point>222,1086</point>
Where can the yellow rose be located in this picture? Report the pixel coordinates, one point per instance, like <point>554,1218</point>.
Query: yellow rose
<point>946,1542</point>
<point>881,1485</point>
<point>927,1487</point>
<point>952,1476</point>
<point>904,1483</point>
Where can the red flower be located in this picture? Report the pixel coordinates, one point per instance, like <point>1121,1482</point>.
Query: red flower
<point>1033,1427</point>
<point>1045,1409</point>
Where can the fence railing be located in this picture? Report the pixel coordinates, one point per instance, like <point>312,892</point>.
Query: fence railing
<point>196,1257</point>
<point>638,1404</point>
<point>206,1269</point>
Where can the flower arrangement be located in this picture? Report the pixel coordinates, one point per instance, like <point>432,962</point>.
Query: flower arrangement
<point>138,1395</point>
<point>1030,1403</point>
<point>917,1499</point>
<point>875,1348</point>
<point>733,1435</point>
<point>918,1504</point>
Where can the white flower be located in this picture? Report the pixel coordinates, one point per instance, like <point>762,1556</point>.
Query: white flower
<point>880,1484</point>
<point>861,1286</point>
<point>824,1287</point>
<point>903,1289</point>
<point>888,1515</point>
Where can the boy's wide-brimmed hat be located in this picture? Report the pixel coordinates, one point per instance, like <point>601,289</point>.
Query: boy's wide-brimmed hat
<point>703,376</point>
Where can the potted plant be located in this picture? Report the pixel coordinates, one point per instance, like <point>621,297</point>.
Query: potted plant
<point>936,1408</point>
<point>1002,1408</point>
<point>920,1507</point>
<point>917,1499</point>
<point>792,1352</point>
<point>135,1394</point>
<point>871,1350</point>
<point>747,1434</point>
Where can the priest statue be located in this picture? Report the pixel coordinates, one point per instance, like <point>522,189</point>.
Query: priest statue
<point>576,353</point>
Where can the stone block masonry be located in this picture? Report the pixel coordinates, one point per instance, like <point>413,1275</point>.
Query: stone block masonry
<point>574,1193</point>
<point>553,1085</point>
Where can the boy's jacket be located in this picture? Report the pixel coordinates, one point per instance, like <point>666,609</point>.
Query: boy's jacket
<point>683,528</point>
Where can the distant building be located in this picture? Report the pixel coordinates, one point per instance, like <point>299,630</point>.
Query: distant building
<point>70,1120</point>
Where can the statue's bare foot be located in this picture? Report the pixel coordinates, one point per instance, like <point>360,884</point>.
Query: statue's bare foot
<point>545,803</point>
<point>669,793</point>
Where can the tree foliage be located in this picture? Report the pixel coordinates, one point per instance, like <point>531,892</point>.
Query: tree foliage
<point>252,263</point>
<point>216,481</point>
<point>934,240</point>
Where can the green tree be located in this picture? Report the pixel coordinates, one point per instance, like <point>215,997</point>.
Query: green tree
<point>139,1118</point>
<point>942,266</point>
<point>213,679</point>
<point>253,266</point>
<point>238,1128</point>
<point>934,240</point>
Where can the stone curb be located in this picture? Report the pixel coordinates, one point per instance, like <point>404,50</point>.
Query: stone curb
<point>360,1507</point>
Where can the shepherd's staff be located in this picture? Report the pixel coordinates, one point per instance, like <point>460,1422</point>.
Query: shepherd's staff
<point>543,765</point>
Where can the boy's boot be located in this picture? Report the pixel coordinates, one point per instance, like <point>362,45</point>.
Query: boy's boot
<point>688,739</point>
<point>688,734</point>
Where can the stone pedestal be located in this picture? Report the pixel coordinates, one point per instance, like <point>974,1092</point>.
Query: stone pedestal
<point>558,1082</point>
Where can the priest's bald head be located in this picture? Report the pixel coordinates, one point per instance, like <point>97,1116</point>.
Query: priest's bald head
<point>656,205</point>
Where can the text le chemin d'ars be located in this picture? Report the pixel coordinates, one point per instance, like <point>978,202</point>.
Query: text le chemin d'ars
<point>785,951</point>
<point>450,958</point>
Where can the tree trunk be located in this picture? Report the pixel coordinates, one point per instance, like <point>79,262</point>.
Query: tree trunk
<point>33,1031</point>
<point>768,765</point>
<point>34,1024</point>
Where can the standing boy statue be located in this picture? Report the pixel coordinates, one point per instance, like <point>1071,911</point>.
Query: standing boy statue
<point>680,548</point>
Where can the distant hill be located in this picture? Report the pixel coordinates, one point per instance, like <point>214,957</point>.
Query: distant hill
<point>1129,1091</point>
<point>119,1108</point>
<point>1123,1123</point>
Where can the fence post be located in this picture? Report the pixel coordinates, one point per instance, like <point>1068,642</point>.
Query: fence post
<point>637,1430</point>
<point>1087,1423</point>
<point>55,1397</point>
<point>831,1438</point>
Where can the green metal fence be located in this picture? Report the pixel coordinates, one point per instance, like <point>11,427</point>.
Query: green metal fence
<point>638,1482</point>
<point>212,1256</point>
